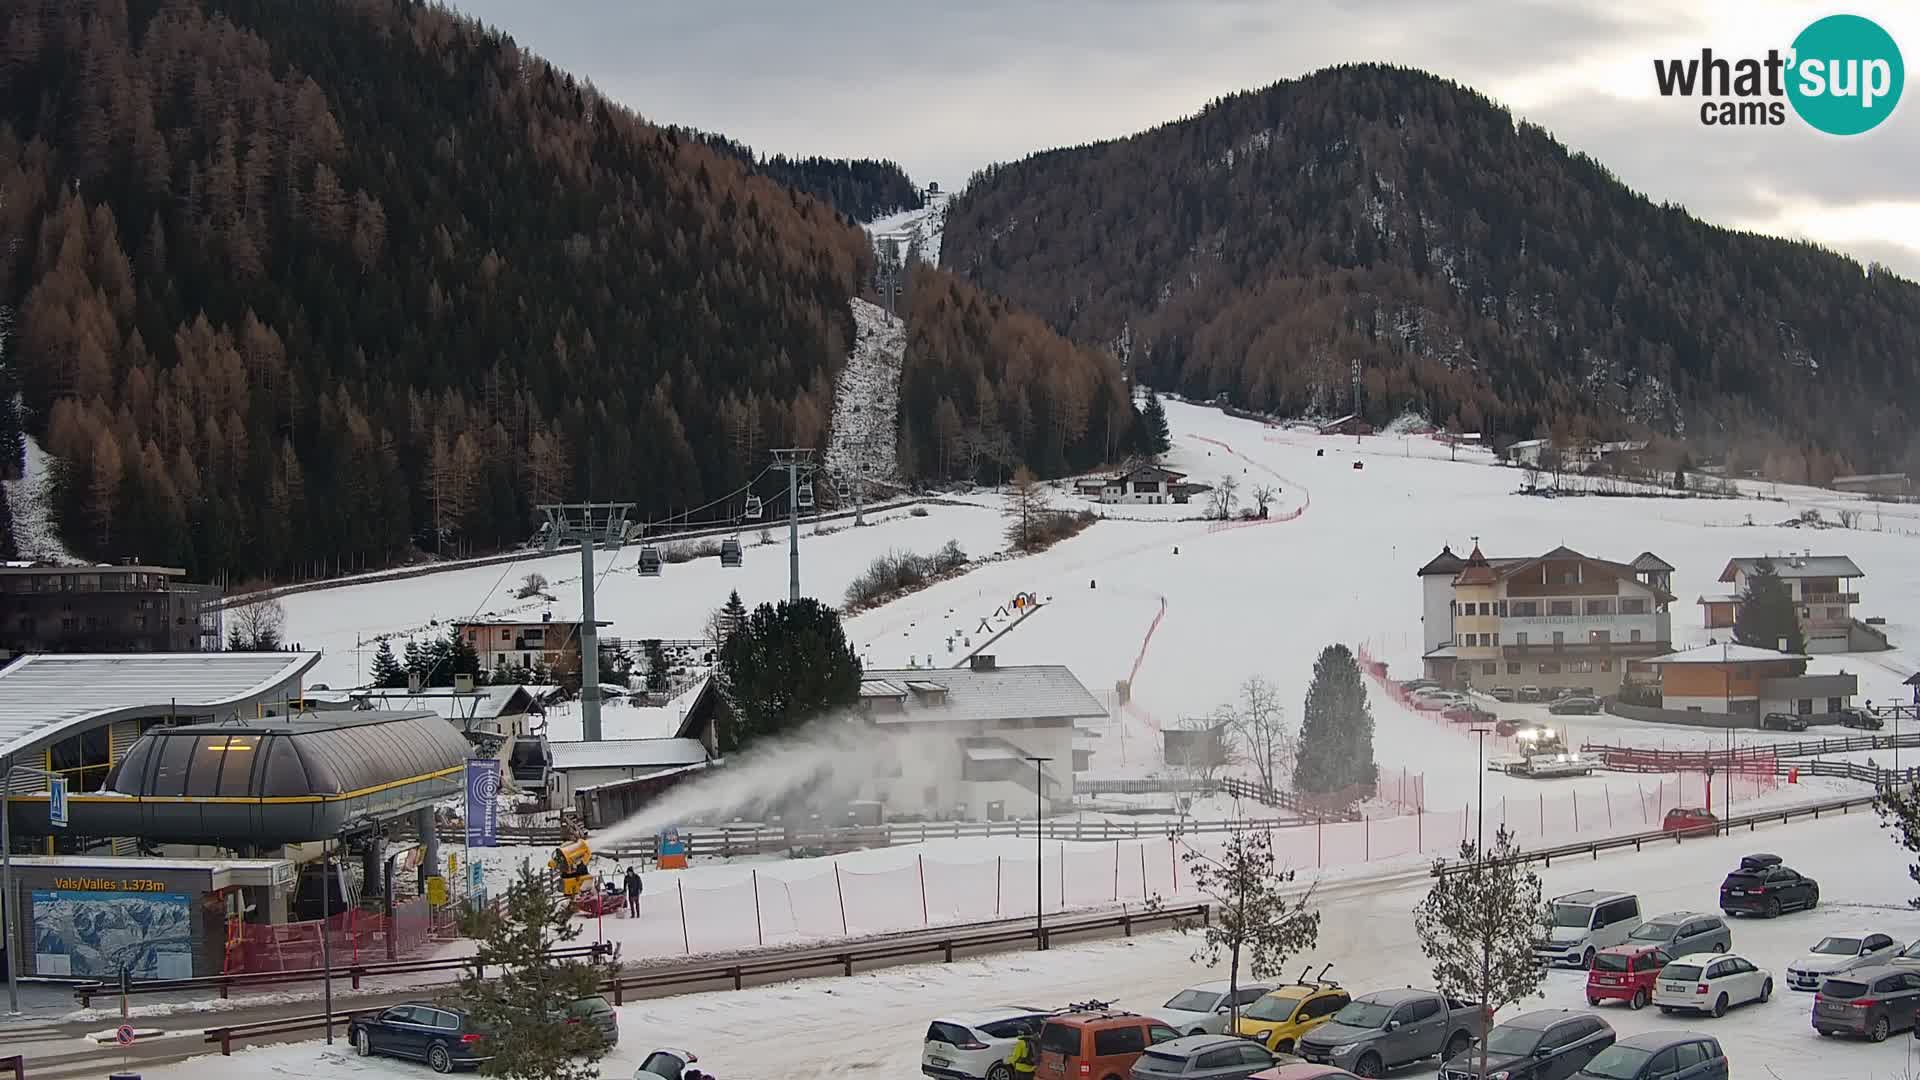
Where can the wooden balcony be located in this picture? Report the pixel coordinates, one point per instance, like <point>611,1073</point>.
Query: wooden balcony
<point>1534,588</point>
<point>1830,598</point>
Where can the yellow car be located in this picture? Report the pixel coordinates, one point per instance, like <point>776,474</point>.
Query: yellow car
<point>1279,1019</point>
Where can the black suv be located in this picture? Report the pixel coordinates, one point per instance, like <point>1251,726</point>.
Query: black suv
<point>1763,885</point>
<point>1551,1044</point>
<point>1860,718</point>
<point>1783,721</point>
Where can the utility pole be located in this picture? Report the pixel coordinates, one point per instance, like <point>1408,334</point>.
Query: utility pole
<point>589,524</point>
<point>1040,852</point>
<point>1356,400</point>
<point>796,461</point>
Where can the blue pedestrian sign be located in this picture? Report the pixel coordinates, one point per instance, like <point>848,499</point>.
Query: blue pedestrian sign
<point>57,803</point>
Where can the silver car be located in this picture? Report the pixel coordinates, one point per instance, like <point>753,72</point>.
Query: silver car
<point>1684,932</point>
<point>1206,1057</point>
<point>1203,1009</point>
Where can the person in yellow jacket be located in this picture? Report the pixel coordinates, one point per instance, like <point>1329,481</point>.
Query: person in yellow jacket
<point>1023,1060</point>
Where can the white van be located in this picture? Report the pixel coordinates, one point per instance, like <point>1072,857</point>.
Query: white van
<point>1583,923</point>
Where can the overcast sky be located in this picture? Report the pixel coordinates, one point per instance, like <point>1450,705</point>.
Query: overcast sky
<point>945,88</point>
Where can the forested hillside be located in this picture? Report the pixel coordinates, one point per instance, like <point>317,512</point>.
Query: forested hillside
<point>301,285</point>
<point>860,188</point>
<point>1478,271</point>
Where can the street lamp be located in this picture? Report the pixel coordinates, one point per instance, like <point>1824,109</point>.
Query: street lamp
<point>1480,807</point>
<point>1039,851</point>
<point>7,898</point>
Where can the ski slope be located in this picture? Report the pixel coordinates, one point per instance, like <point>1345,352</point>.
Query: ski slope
<point>872,1024</point>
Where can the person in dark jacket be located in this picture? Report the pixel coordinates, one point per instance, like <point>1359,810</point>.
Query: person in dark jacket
<point>634,888</point>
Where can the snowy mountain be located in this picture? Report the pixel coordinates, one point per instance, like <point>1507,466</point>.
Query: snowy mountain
<point>918,232</point>
<point>866,399</point>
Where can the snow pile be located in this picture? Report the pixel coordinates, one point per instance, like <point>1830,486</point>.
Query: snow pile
<point>866,400</point>
<point>33,529</point>
<point>916,230</point>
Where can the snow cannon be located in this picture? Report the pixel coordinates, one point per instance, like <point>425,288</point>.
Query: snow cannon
<point>670,850</point>
<point>570,862</point>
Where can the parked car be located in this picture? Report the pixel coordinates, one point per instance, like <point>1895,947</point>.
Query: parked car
<point>445,1038</point>
<point>1098,1042</point>
<point>975,1045</point>
<point>1550,1044</point>
<point>1625,973</point>
<point>1836,953</point>
<point>1871,1001</point>
<point>1690,821</point>
<point>1205,1057</point>
<point>1710,983</point>
<point>1783,721</point>
<point>1467,714</point>
<point>1860,718</point>
<point>1764,886</point>
<point>1580,706</point>
<point>1278,1020</point>
<point>1659,1055</point>
<point>1389,1028</point>
<point>665,1064</point>
<point>1436,702</point>
<point>1305,1070</point>
<point>1528,693</point>
<point>1418,684</point>
<point>1502,693</point>
<point>1583,923</point>
<point>597,1012</point>
<point>1908,955</point>
<point>1204,1009</point>
<point>1683,932</point>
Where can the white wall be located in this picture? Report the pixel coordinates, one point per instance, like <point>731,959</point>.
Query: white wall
<point>1436,623</point>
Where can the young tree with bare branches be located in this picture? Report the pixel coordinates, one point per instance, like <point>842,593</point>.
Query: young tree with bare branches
<point>1259,919</point>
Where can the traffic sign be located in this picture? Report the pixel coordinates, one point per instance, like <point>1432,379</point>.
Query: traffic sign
<point>123,1035</point>
<point>57,803</point>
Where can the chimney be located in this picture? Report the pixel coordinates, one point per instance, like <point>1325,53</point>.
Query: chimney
<point>983,662</point>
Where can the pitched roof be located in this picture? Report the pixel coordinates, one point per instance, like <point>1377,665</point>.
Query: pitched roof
<point>1647,560</point>
<point>1477,571</point>
<point>485,703</point>
<point>627,754</point>
<point>1796,566</point>
<point>44,696</point>
<point>1149,471</point>
<point>1722,654</point>
<point>1038,692</point>
<point>1505,568</point>
<point>1444,563</point>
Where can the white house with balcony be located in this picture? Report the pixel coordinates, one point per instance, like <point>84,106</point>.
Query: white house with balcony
<point>1824,595</point>
<point>1561,619</point>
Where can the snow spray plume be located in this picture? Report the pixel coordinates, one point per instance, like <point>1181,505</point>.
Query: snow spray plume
<point>818,769</point>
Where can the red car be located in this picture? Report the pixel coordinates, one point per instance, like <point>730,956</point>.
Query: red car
<point>1625,973</point>
<point>1466,714</point>
<point>1693,822</point>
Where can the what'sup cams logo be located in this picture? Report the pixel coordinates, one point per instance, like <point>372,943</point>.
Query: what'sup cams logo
<point>1842,76</point>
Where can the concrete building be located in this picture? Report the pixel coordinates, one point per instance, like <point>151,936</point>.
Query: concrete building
<point>1730,679</point>
<point>107,608</point>
<point>976,727</point>
<point>1822,588</point>
<point>1562,619</point>
<point>577,766</point>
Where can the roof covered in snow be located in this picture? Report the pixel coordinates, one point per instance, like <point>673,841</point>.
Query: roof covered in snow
<point>1796,566</point>
<point>995,694</point>
<point>1722,654</point>
<point>48,696</point>
<point>485,703</point>
<point>627,754</point>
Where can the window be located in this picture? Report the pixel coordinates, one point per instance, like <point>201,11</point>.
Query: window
<point>236,771</point>
<point>1224,1058</point>
<point>1833,704</point>
<point>1836,613</point>
<point>1804,706</point>
<point>1248,997</point>
<point>506,634</point>
<point>1060,1039</point>
<point>1563,1036</point>
<point>1600,606</point>
<point>1422,1010</point>
<point>1687,1055</point>
<point>473,635</point>
<point>1496,639</point>
<point>1549,667</point>
<point>1559,638</point>
<point>1633,635</point>
<point>1486,608</point>
<point>1606,665</point>
<point>1255,1055</point>
<point>170,773</point>
<point>1129,1039</point>
<point>1520,639</point>
<point>1489,669</point>
<point>1599,637</point>
<point>1526,609</point>
<point>1878,941</point>
<point>1560,607</point>
<point>1580,667</point>
<point>1158,1034</point>
<point>139,622</point>
<point>446,1021</point>
<point>67,623</point>
<point>1325,1006</point>
<point>1513,668</point>
<point>1664,1063</point>
<point>1500,608</point>
<point>1633,605</point>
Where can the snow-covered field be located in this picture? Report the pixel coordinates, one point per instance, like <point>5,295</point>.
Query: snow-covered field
<point>29,497</point>
<point>872,1024</point>
<point>866,400</point>
<point>916,230</point>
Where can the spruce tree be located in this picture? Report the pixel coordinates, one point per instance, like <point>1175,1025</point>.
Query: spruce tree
<point>1767,616</point>
<point>734,614</point>
<point>1336,727</point>
<point>417,661</point>
<point>784,666</point>
<point>1156,437</point>
<point>523,1001</point>
<point>456,656</point>
<point>656,664</point>
<point>387,672</point>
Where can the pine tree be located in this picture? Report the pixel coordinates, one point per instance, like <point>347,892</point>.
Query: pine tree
<point>387,672</point>
<point>1156,437</point>
<point>1767,615</point>
<point>1477,924</point>
<point>1336,727</point>
<point>734,614</point>
<point>1899,808</point>
<point>417,663</point>
<point>1027,512</point>
<point>1256,914</point>
<point>784,666</point>
<point>455,656</point>
<point>523,1000</point>
<point>656,664</point>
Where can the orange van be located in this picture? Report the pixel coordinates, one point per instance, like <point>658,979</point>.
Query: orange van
<point>1097,1044</point>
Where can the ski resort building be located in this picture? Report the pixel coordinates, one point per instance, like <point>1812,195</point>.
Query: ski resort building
<point>550,640</point>
<point>1561,619</point>
<point>1740,680</point>
<point>968,736</point>
<point>1147,484</point>
<point>111,608</point>
<point>1823,592</point>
